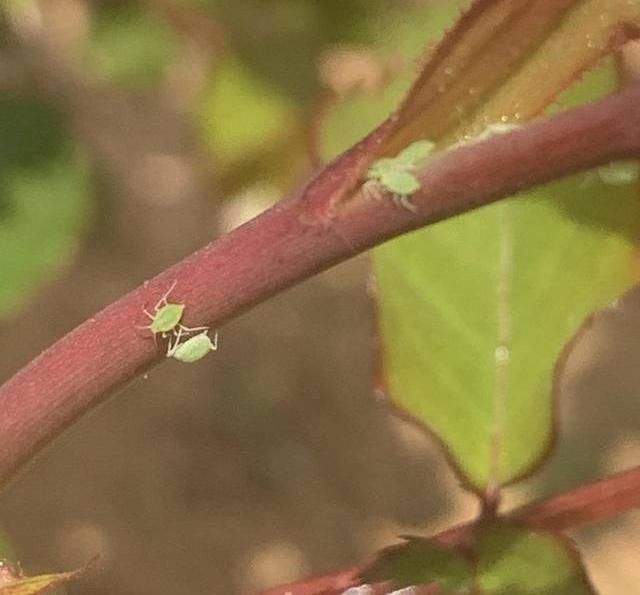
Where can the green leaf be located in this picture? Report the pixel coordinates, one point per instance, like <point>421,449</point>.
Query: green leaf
<point>43,192</point>
<point>516,561</point>
<point>507,560</point>
<point>475,311</point>
<point>422,562</point>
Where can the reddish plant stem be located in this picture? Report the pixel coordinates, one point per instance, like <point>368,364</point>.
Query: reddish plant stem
<point>299,237</point>
<point>589,503</point>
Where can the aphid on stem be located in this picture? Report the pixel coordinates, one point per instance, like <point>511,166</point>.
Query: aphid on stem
<point>395,174</point>
<point>165,319</point>
<point>194,348</point>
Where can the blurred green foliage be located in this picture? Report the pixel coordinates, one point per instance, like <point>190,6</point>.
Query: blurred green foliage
<point>260,100</point>
<point>130,46</point>
<point>251,115</point>
<point>241,113</point>
<point>36,132</point>
<point>280,40</point>
<point>43,196</point>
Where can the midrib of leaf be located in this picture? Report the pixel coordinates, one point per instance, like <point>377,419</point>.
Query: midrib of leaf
<point>502,351</point>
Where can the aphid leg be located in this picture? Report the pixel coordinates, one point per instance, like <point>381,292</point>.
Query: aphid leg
<point>187,330</point>
<point>403,200</point>
<point>171,347</point>
<point>372,190</point>
<point>164,316</point>
<point>148,326</point>
<point>161,302</point>
<point>214,342</point>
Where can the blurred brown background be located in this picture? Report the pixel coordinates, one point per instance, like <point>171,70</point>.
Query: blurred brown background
<point>271,459</point>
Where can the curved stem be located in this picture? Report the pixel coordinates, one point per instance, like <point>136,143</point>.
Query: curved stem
<point>589,503</point>
<point>321,225</point>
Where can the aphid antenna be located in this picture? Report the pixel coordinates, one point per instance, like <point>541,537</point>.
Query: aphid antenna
<point>214,341</point>
<point>163,300</point>
<point>171,347</point>
<point>159,304</point>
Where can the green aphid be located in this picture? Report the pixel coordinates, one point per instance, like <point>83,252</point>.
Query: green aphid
<point>194,348</point>
<point>415,154</point>
<point>395,174</point>
<point>166,317</point>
